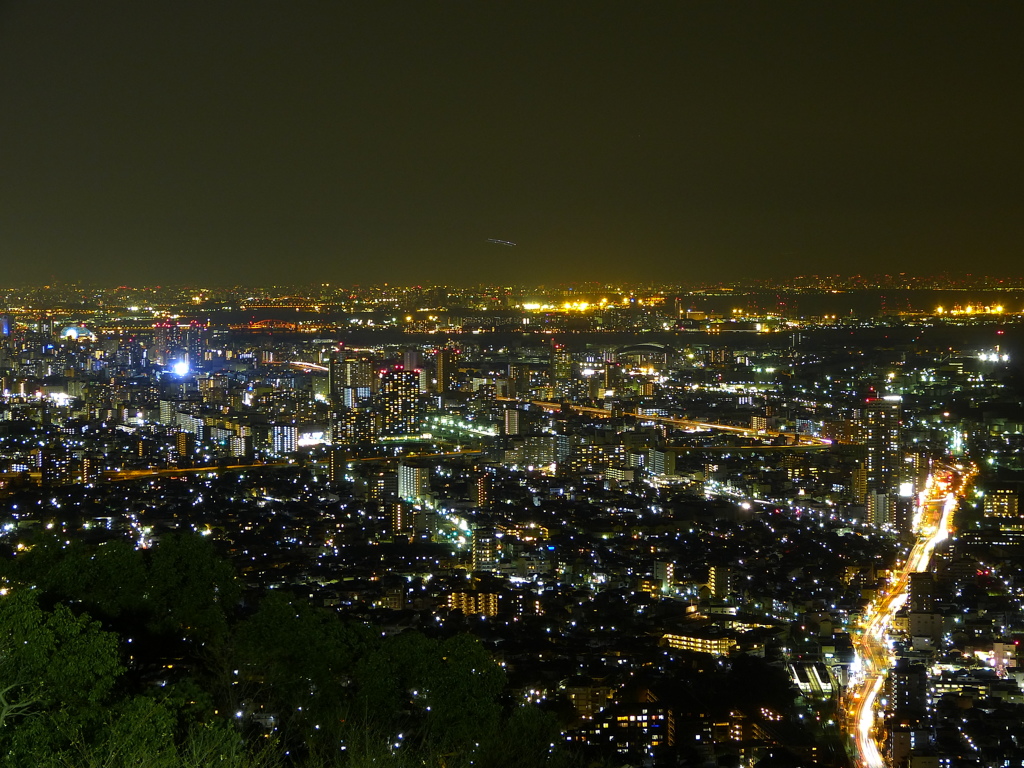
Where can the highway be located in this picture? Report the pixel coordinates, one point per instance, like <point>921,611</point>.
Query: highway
<point>804,441</point>
<point>115,475</point>
<point>863,709</point>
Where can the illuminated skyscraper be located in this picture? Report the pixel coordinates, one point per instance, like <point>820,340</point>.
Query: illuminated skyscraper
<point>413,482</point>
<point>480,491</point>
<point>350,382</point>
<point>513,422</point>
<point>284,439</point>
<point>880,430</point>
<point>165,341</point>
<point>399,402</point>
<point>611,373</point>
<point>445,371</point>
<point>411,359</point>
<point>347,372</point>
<point>6,326</point>
<point>193,342</point>
<point>352,426</point>
<point>561,368</point>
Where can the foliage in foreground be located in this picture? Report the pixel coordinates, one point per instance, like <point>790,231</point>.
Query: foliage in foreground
<point>112,657</point>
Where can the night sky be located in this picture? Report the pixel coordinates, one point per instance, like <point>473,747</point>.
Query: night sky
<point>348,142</point>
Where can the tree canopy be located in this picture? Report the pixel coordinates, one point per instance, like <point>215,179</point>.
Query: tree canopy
<point>113,656</point>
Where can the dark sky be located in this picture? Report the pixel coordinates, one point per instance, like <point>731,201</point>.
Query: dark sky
<point>216,141</point>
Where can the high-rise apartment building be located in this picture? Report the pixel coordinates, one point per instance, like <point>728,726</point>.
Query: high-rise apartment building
<point>512,421</point>
<point>399,402</point>
<point>485,548</point>
<point>348,372</point>
<point>880,423</point>
<point>413,482</point>
<point>166,340</point>
<point>480,490</point>
<point>284,439</point>
<point>353,425</point>
<point>561,369</point>
<point>193,344</point>
<point>445,362</point>
<point>411,359</point>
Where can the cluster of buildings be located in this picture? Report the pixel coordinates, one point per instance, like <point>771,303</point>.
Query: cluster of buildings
<point>666,540</point>
<point>955,691</point>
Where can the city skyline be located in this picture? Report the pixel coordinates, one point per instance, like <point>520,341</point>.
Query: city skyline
<point>614,514</point>
<point>521,385</point>
<point>463,144</point>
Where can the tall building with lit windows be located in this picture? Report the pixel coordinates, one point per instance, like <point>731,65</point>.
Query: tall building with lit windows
<point>399,402</point>
<point>166,340</point>
<point>193,344</point>
<point>284,439</point>
<point>486,547</point>
<point>413,481</point>
<point>347,374</point>
<point>880,424</point>
<point>480,491</point>
<point>512,421</point>
<point>561,369</point>
<point>445,362</point>
<point>352,426</point>
<point>335,376</point>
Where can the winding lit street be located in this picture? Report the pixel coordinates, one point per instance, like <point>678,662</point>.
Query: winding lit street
<point>864,711</point>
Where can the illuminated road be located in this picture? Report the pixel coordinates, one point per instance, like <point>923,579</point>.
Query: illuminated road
<point>803,441</point>
<point>136,474</point>
<point>308,366</point>
<point>932,520</point>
